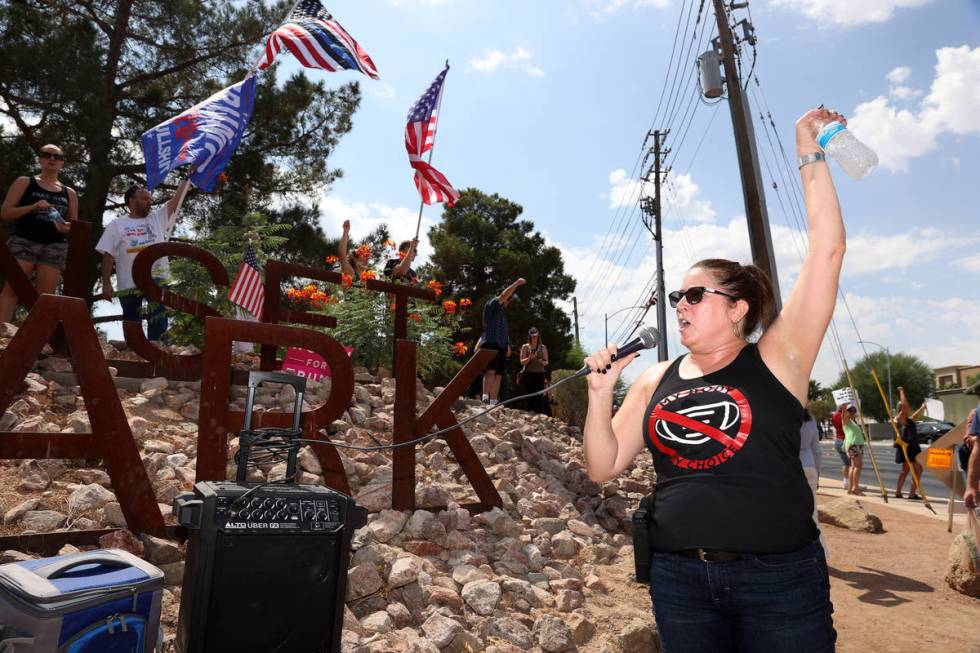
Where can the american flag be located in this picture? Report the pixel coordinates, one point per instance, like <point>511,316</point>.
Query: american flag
<point>318,41</point>
<point>246,290</point>
<point>419,136</point>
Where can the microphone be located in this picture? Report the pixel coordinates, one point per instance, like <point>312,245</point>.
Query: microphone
<point>647,338</point>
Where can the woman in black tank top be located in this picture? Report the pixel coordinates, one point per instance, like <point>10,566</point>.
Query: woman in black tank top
<point>736,563</point>
<point>41,209</point>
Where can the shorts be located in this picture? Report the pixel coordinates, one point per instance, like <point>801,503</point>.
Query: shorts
<point>499,362</point>
<point>839,448</point>
<point>855,451</point>
<point>50,254</point>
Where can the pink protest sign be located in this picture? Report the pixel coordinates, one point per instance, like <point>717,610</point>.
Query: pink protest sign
<point>308,364</point>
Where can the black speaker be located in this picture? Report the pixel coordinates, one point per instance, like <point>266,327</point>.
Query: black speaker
<point>266,568</point>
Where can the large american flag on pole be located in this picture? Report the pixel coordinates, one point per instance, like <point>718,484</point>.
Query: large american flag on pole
<point>317,41</point>
<point>420,134</point>
<point>246,290</point>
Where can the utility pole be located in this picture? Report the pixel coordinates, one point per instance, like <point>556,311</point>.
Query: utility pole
<point>760,240</point>
<point>651,208</point>
<point>575,314</point>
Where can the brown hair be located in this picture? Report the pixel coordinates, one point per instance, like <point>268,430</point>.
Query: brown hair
<point>747,282</point>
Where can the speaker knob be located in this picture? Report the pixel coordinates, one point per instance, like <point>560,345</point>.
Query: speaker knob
<point>280,503</point>
<point>321,515</point>
<point>244,515</point>
<point>268,503</point>
<point>308,514</point>
<point>255,503</point>
<point>293,508</point>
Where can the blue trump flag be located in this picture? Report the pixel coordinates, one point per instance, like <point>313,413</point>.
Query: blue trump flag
<point>204,137</point>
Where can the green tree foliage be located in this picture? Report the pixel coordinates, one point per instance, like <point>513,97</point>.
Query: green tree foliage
<point>816,391</point>
<point>908,371</point>
<point>821,409</point>
<point>93,76</point>
<point>571,398</point>
<point>481,246</point>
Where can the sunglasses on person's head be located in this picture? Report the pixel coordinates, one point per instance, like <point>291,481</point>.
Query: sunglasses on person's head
<point>51,155</point>
<point>694,295</point>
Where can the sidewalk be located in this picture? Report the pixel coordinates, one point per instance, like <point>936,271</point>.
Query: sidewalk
<point>833,488</point>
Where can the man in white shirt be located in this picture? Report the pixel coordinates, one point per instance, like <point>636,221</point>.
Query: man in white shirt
<point>123,239</point>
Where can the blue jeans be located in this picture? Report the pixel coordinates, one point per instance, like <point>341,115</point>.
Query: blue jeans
<point>156,321</point>
<point>839,448</point>
<point>765,604</point>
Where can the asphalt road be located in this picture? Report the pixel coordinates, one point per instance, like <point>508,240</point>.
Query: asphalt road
<point>830,467</point>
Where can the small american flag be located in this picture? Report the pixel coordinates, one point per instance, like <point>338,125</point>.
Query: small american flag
<point>246,290</point>
<point>318,41</point>
<point>419,137</point>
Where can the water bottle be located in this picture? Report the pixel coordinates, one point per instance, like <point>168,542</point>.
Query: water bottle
<point>54,215</point>
<point>856,158</point>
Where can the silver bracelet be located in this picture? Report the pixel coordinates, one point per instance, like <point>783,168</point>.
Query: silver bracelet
<point>812,157</point>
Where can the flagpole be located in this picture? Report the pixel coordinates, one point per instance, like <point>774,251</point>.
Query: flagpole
<point>172,218</point>
<point>418,224</point>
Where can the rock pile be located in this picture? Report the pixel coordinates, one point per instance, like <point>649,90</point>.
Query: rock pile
<point>523,578</point>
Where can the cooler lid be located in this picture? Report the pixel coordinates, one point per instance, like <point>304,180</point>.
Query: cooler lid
<point>55,578</point>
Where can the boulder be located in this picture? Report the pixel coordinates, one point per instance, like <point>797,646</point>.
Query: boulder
<point>20,510</point>
<point>43,521</point>
<point>482,596</point>
<point>362,580</point>
<point>89,497</point>
<point>963,570</point>
<point>441,630</point>
<point>848,512</point>
<point>122,539</point>
<point>552,634</point>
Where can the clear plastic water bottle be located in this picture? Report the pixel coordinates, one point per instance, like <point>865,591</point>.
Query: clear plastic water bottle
<point>54,215</point>
<point>856,158</point>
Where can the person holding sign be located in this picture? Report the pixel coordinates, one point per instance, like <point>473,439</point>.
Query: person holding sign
<point>906,423</point>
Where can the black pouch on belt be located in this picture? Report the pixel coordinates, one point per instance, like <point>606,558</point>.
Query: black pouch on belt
<point>642,521</point>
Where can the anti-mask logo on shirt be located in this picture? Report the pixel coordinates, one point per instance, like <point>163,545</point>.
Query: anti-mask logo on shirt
<point>702,427</point>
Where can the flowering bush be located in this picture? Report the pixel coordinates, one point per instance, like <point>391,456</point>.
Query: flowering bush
<point>449,306</point>
<point>435,287</point>
<point>367,274</point>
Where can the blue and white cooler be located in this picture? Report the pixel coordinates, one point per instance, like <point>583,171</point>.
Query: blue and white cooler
<point>105,601</point>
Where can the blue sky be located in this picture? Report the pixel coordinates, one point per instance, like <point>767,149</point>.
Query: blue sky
<point>547,104</point>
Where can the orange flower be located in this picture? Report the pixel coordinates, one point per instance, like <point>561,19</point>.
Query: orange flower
<point>415,317</point>
<point>367,274</point>
<point>459,349</point>
<point>330,260</point>
<point>434,286</point>
<point>449,306</point>
<point>392,306</point>
<point>465,303</point>
<point>346,281</point>
<point>364,251</point>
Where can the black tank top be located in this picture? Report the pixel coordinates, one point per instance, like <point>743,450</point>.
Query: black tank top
<point>32,226</point>
<point>726,448</point>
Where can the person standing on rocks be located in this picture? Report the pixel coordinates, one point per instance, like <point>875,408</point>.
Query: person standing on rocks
<point>40,242</point>
<point>496,336</point>
<point>534,361</point>
<point>736,562</point>
<point>123,239</point>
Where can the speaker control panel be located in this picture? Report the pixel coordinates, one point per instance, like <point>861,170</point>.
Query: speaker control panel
<point>265,508</point>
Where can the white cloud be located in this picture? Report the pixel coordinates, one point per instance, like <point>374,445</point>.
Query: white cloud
<point>969,263</point>
<point>365,218</point>
<point>836,12</point>
<point>874,253</point>
<point>899,75</point>
<point>952,105</point>
<point>493,59</point>
<point>602,8</point>
<point>680,196</point>
<point>381,89</point>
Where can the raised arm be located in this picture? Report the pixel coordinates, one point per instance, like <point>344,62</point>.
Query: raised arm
<point>790,345</point>
<point>509,290</point>
<point>406,263</point>
<point>903,406</point>
<point>345,266</point>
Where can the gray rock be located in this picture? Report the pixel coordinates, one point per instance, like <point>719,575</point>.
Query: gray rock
<point>387,524</point>
<point>565,546</point>
<point>482,596</point>
<point>160,551</point>
<point>363,580</point>
<point>14,556</point>
<point>43,521</point>
<point>173,573</point>
<point>375,496</point>
<point>113,514</point>
<point>513,631</point>
<point>638,636</point>
<point>157,383</point>
<point>404,570</point>
<point>441,630</point>
<point>357,415</point>
<point>89,497</point>
<point>7,421</point>
<point>464,574</point>
<point>20,510</point>
<point>378,622</point>
<point>552,634</point>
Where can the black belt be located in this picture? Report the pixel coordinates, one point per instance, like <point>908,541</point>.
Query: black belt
<point>712,555</point>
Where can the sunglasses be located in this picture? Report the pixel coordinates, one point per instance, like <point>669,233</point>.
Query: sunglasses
<point>51,155</point>
<point>694,295</point>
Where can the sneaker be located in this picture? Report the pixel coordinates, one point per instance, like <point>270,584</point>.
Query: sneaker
<point>494,402</point>
<point>486,399</point>
<point>914,497</point>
